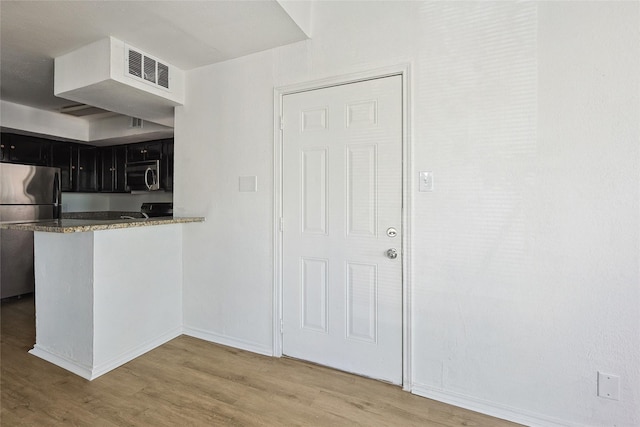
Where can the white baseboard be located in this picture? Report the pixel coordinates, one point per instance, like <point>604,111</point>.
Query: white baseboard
<point>91,373</point>
<point>228,341</point>
<point>488,408</point>
<point>137,351</point>
<point>68,364</point>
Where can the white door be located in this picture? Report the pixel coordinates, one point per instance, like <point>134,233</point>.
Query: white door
<point>342,201</point>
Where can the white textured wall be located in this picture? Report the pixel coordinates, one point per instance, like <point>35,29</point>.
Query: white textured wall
<point>104,298</point>
<point>65,321</point>
<point>525,257</point>
<point>137,289</point>
<point>228,258</point>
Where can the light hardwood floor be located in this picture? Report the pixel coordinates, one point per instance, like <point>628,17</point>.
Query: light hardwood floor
<point>190,382</point>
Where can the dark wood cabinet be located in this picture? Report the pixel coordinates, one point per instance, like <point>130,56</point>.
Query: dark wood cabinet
<point>144,151</point>
<point>4,147</point>
<point>24,149</point>
<point>86,170</point>
<point>166,180</point>
<point>153,151</point>
<point>62,157</point>
<point>112,169</point>
<point>135,153</point>
<point>78,166</point>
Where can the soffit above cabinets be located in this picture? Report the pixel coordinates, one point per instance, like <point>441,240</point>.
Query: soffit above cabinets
<point>186,34</point>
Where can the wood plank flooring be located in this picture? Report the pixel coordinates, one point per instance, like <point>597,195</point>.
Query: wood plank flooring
<point>190,382</point>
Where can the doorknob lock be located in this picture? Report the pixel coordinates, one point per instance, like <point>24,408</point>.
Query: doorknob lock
<point>392,253</point>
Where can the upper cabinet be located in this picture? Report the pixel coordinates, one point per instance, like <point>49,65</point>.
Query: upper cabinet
<point>78,165</point>
<point>23,149</point>
<point>85,168</point>
<point>62,157</point>
<point>144,151</point>
<point>166,180</point>
<point>112,169</point>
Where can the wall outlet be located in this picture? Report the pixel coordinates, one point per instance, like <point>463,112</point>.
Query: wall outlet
<point>608,386</point>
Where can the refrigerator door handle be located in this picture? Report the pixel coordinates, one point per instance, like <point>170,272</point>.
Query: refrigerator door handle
<point>57,196</point>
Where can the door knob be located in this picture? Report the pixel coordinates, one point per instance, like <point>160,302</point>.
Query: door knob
<point>392,253</point>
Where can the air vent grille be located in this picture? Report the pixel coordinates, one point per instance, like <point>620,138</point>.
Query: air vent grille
<point>135,63</point>
<point>136,123</point>
<point>149,69</point>
<point>163,75</point>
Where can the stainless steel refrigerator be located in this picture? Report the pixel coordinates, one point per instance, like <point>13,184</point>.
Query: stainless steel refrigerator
<point>27,194</point>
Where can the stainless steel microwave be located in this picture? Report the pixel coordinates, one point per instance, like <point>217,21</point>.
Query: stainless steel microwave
<point>143,176</point>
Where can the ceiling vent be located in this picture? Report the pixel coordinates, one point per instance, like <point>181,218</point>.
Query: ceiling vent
<point>136,123</point>
<point>141,66</point>
<point>82,110</point>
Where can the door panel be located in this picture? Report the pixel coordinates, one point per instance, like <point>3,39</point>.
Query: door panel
<point>314,191</point>
<point>361,190</point>
<point>362,301</point>
<point>315,287</point>
<point>342,189</point>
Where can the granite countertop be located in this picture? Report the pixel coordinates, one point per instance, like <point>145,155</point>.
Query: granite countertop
<point>75,225</point>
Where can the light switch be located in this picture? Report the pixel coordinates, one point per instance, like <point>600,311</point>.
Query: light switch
<point>426,181</point>
<point>248,184</point>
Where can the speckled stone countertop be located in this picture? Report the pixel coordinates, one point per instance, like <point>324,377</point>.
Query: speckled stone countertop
<point>70,225</point>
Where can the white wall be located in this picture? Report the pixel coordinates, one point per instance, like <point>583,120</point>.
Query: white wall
<point>525,257</point>
<point>137,292</point>
<point>103,298</point>
<point>229,259</point>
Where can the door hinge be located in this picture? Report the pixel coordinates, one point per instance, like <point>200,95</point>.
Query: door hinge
<point>281,326</point>
<point>281,123</point>
<point>281,224</point>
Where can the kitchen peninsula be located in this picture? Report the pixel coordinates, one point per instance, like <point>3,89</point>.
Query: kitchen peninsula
<point>107,291</point>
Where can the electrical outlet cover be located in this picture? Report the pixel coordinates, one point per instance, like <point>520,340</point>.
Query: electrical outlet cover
<point>608,386</point>
<point>248,184</point>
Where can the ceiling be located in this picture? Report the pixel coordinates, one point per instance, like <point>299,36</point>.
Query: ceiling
<point>186,34</point>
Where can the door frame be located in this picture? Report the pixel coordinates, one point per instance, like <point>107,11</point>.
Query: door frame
<point>402,70</point>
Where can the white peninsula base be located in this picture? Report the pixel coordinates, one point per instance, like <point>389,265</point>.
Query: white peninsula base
<point>105,297</point>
